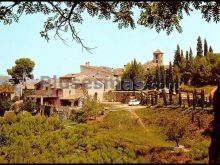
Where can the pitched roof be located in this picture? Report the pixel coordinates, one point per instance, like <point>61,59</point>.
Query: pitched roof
<point>72,97</point>
<point>158,52</point>
<point>29,86</point>
<point>97,69</point>
<point>149,64</point>
<point>7,88</point>
<point>81,77</point>
<point>118,71</point>
<point>70,75</point>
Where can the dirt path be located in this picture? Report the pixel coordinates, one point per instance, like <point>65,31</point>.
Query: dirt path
<point>213,91</point>
<point>139,120</point>
<point>130,109</point>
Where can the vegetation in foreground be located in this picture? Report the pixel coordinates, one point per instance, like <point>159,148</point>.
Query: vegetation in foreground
<point>118,138</point>
<point>195,137</point>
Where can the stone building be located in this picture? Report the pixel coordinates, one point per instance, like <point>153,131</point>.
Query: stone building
<point>157,60</point>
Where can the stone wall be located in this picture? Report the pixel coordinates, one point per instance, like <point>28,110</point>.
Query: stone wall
<point>121,96</point>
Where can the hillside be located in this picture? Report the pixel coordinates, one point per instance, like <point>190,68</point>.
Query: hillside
<point>122,135</point>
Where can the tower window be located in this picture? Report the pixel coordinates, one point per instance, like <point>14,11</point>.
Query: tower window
<point>156,61</point>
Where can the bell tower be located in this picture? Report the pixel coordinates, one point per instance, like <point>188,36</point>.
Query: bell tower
<point>158,57</point>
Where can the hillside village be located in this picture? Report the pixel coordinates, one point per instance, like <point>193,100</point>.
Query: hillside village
<point>68,89</point>
<point>142,112</point>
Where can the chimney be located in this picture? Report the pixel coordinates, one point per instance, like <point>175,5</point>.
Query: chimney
<point>87,63</point>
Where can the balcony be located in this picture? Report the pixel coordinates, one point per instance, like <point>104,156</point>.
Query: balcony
<point>48,93</point>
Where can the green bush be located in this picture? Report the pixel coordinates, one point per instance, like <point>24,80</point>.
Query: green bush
<point>200,151</point>
<point>78,116</point>
<point>91,106</point>
<point>40,139</point>
<point>175,131</point>
<point>17,106</point>
<point>29,106</point>
<point>5,105</point>
<point>10,117</point>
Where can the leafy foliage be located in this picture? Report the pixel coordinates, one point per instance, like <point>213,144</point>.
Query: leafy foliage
<point>63,16</point>
<point>175,131</point>
<point>198,70</point>
<point>5,105</point>
<point>78,116</point>
<point>199,47</point>
<point>134,73</point>
<point>45,140</point>
<point>22,66</point>
<point>29,106</point>
<point>91,105</point>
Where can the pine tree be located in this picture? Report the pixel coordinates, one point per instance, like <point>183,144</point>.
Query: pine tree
<point>205,47</point>
<point>182,62</point>
<point>157,77</point>
<point>177,57</point>
<point>170,80</point>
<point>199,47</point>
<point>187,56</point>
<point>162,76</point>
<point>190,56</point>
<point>210,49</point>
<point>134,71</point>
<point>186,72</point>
<point>182,55</point>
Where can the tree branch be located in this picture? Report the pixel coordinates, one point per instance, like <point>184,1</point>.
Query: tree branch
<point>71,11</point>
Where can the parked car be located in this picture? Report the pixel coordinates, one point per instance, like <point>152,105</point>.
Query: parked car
<point>133,102</point>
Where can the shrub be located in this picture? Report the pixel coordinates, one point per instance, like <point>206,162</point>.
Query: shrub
<point>29,106</point>
<point>17,106</point>
<point>78,116</point>
<point>175,131</point>
<point>200,151</point>
<point>10,117</point>
<point>91,106</point>
<point>5,105</point>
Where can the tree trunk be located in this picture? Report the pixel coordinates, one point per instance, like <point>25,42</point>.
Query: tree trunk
<point>177,143</point>
<point>156,97</point>
<point>180,98</point>
<point>152,99</point>
<point>164,97</point>
<point>194,99</point>
<point>202,98</point>
<point>142,98</point>
<point>170,96</point>
<point>188,100</point>
<point>214,149</point>
<point>147,98</point>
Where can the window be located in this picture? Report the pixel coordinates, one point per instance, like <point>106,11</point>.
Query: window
<point>156,61</point>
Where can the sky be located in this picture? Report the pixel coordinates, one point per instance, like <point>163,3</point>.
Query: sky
<point>115,47</point>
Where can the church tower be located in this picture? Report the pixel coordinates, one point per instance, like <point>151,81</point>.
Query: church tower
<point>158,57</point>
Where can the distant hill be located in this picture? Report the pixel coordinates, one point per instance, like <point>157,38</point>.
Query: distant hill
<point>4,79</point>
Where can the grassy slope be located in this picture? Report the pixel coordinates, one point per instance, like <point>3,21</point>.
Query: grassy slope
<point>122,125</point>
<point>197,143</point>
<point>207,89</point>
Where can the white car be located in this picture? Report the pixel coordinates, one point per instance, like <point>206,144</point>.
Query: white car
<point>133,102</point>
